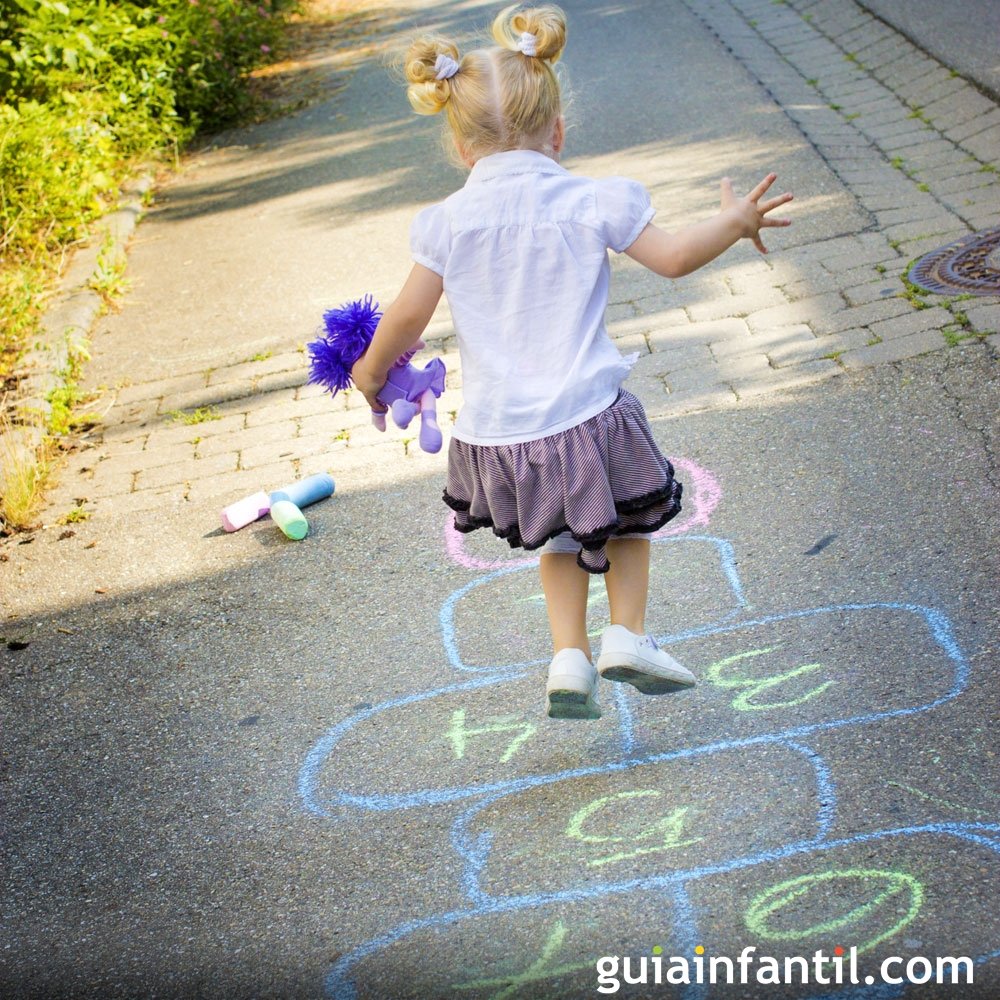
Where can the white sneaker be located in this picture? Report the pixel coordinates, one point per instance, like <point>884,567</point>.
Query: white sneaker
<point>637,660</point>
<point>570,687</point>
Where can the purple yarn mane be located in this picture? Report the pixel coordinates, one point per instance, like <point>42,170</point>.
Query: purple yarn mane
<point>348,332</point>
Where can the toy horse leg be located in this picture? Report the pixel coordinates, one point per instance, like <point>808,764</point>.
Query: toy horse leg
<point>430,433</point>
<point>378,420</point>
<point>403,411</point>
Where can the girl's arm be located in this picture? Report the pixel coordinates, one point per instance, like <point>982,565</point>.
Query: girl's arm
<point>673,255</point>
<point>398,330</point>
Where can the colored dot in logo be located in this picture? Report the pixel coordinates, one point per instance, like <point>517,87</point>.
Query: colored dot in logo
<point>838,950</point>
<point>869,980</point>
<point>657,950</point>
<point>699,949</point>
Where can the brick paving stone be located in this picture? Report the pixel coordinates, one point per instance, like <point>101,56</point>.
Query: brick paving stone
<point>845,319</point>
<point>228,487</point>
<point>890,126</point>
<point>957,108</point>
<point>979,221</point>
<point>267,453</point>
<point>915,138</point>
<point>937,86</point>
<point>983,318</point>
<point>217,444</point>
<point>661,310</point>
<point>985,145</point>
<point>823,281</point>
<point>698,333</point>
<point>172,432</point>
<point>893,350</point>
<point>737,305</point>
<point>961,165</point>
<point>138,412</point>
<point>123,504</point>
<point>695,399</point>
<point>728,368</point>
<point>872,291</point>
<point>910,231</point>
<point>802,374</point>
<point>173,454</point>
<point>277,409</point>
<point>837,343</point>
<point>112,483</point>
<point>197,399</point>
<point>143,391</point>
<point>662,362</point>
<point>905,70</point>
<point>806,310</point>
<point>840,263</point>
<point>633,343</point>
<point>709,376</point>
<point>763,343</point>
<point>920,208</point>
<point>974,126</point>
<point>287,361</point>
<point>936,153</point>
<point>684,356</point>
<point>911,249</point>
<point>185,472</point>
<point>649,388</point>
<point>920,319</point>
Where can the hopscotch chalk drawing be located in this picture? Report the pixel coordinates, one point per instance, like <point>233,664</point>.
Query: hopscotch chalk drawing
<point>649,834</point>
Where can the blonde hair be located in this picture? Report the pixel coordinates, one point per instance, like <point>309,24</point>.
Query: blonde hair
<point>500,98</point>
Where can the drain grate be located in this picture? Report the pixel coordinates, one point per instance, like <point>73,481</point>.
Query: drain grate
<point>970,265</point>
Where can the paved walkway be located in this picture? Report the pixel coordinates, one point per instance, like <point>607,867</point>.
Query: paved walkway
<point>914,145</point>
<point>237,766</point>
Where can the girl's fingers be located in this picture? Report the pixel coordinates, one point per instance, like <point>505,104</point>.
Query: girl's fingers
<point>776,222</point>
<point>773,203</point>
<point>759,190</point>
<point>759,244</point>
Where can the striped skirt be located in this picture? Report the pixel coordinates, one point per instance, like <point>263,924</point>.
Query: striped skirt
<point>602,478</point>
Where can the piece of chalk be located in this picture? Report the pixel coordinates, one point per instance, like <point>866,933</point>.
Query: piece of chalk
<point>290,519</point>
<point>246,511</point>
<point>306,491</point>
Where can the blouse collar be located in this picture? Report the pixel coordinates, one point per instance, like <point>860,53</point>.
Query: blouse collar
<point>511,162</point>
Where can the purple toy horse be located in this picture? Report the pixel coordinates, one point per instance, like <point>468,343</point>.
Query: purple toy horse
<point>407,390</point>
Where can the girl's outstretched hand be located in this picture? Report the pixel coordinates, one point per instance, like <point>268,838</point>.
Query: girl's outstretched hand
<point>751,211</point>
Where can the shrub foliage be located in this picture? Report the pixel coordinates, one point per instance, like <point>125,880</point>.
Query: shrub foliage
<point>87,87</point>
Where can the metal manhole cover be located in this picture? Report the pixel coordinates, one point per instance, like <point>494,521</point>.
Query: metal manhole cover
<point>970,265</point>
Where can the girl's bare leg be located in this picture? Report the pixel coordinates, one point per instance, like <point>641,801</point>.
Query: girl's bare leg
<point>565,586</point>
<point>628,582</point>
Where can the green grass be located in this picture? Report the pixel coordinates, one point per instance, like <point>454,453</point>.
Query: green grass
<point>201,415</point>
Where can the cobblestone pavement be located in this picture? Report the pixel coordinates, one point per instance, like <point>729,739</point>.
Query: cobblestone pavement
<point>915,145</point>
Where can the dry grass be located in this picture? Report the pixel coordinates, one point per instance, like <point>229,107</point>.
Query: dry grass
<point>24,467</point>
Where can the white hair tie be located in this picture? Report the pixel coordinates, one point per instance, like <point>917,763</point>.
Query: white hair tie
<point>444,67</point>
<point>528,44</point>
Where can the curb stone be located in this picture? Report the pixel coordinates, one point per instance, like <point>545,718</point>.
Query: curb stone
<point>67,322</point>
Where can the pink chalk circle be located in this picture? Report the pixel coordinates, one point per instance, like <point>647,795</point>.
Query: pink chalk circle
<point>701,497</point>
<point>246,511</point>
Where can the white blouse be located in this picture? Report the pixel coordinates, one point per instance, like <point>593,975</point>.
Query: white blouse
<point>522,248</point>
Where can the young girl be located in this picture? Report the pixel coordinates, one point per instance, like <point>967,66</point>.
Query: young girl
<point>548,450</point>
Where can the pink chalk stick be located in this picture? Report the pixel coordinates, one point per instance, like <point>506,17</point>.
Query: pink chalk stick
<point>246,511</point>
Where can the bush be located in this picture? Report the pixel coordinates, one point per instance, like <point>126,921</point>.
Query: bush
<point>87,88</point>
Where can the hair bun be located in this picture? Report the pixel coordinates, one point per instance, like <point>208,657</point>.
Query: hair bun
<point>428,95</point>
<point>547,23</point>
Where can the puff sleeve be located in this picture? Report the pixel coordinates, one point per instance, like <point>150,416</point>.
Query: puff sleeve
<point>623,211</point>
<point>430,238</point>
